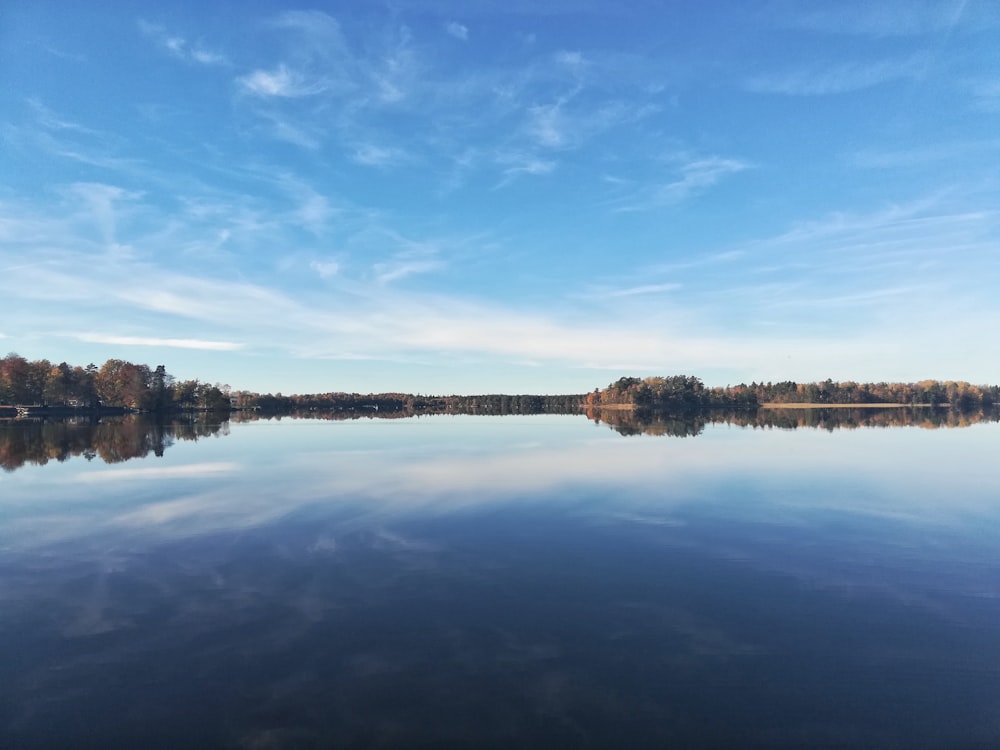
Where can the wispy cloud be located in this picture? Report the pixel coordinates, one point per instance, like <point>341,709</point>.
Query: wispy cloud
<point>899,263</point>
<point>316,28</point>
<point>693,176</point>
<point>50,120</point>
<point>635,291</point>
<point>326,269</point>
<point>180,47</point>
<point>457,30</point>
<point>986,95</point>
<point>396,70</point>
<point>190,471</point>
<point>544,125</point>
<point>885,19</point>
<point>895,157</point>
<point>53,135</point>
<point>283,128</point>
<point>312,210</point>
<point>397,84</point>
<point>836,78</point>
<point>374,319</point>
<point>523,164</point>
<point>215,346</point>
<point>403,266</point>
<point>102,201</point>
<point>280,82</point>
<point>570,124</point>
<point>371,155</point>
<point>572,59</point>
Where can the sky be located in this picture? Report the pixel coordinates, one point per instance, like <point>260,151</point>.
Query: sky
<point>485,196</point>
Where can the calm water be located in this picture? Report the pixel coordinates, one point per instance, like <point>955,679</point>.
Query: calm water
<point>498,581</point>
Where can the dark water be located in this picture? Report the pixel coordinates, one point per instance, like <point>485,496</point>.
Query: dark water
<point>499,581</point>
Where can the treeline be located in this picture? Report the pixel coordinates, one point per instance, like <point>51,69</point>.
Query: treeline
<point>268,403</point>
<point>956,394</point>
<point>406,404</point>
<point>116,383</point>
<point>674,393</point>
<point>121,384</point>
<point>685,393</point>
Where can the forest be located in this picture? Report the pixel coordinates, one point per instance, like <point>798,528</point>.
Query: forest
<point>682,392</point>
<point>139,387</point>
<point>116,383</point>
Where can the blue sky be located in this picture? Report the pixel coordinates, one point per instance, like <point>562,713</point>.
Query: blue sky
<point>445,197</point>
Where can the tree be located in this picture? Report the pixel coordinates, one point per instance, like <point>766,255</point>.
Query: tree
<point>161,389</point>
<point>121,383</point>
<point>58,384</point>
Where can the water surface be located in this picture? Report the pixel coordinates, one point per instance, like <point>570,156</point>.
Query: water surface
<point>499,581</point>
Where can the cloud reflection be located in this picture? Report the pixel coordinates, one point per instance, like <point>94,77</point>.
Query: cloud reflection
<point>443,465</point>
<point>512,570</point>
<point>188,471</point>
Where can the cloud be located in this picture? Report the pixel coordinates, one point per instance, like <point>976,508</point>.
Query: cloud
<point>291,131</point>
<point>457,30</point>
<point>216,346</point>
<point>896,158</point>
<point>395,72</point>
<point>570,122</point>
<point>522,164</point>
<point>102,201</point>
<point>572,60</point>
<point>838,78</point>
<point>544,125</point>
<point>50,120</point>
<point>325,268</point>
<point>634,291</point>
<point>371,155</point>
<point>699,175</point>
<point>313,210</point>
<point>53,136</point>
<point>986,95</point>
<point>213,301</point>
<point>552,101</point>
<point>280,82</point>
<point>179,47</point>
<point>841,225</point>
<point>401,267</point>
<point>189,471</point>
<point>888,18</point>
<point>695,175</point>
<point>372,319</point>
<point>318,28</point>
<point>205,57</point>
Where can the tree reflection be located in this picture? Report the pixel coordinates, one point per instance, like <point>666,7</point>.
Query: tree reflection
<point>112,440</point>
<point>118,439</point>
<point>651,422</point>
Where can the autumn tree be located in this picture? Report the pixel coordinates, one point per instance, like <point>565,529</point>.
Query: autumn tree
<point>121,383</point>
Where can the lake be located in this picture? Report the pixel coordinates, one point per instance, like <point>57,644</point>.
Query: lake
<point>517,581</point>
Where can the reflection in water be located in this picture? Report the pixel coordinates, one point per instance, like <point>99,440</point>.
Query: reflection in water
<point>120,439</point>
<point>112,439</point>
<point>529,582</point>
<point>635,422</point>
